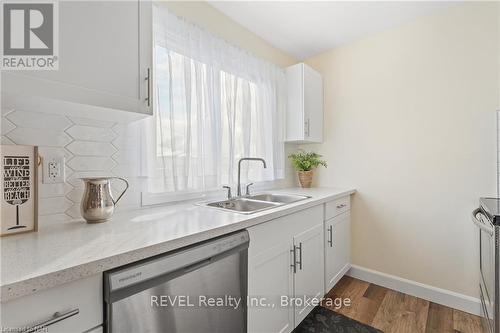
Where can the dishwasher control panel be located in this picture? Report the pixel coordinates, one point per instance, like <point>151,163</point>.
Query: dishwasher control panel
<point>173,261</point>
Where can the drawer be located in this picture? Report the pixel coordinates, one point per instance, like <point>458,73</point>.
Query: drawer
<point>282,229</point>
<point>78,302</point>
<point>336,207</point>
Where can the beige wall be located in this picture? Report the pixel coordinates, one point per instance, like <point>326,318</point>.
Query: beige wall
<point>410,123</point>
<point>214,21</point>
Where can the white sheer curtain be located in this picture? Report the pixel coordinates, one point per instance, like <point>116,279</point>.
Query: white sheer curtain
<point>215,104</point>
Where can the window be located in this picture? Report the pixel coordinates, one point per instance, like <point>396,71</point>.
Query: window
<point>214,105</point>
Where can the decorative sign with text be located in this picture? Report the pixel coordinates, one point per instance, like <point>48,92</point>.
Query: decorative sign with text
<point>18,189</point>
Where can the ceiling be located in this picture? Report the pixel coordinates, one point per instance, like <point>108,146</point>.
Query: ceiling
<point>306,28</point>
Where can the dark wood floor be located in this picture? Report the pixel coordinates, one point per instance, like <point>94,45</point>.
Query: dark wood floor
<point>395,312</point>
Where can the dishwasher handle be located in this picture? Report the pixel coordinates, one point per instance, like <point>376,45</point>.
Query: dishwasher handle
<point>482,222</point>
<point>197,265</point>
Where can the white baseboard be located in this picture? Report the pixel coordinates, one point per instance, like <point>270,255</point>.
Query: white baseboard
<point>336,279</point>
<point>437,295</point>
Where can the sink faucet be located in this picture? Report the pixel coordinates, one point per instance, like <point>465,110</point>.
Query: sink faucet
<point>229,195</point>
<point>239,169</point>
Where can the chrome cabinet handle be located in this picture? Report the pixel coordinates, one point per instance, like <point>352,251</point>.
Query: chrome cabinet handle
<point>294,259</point>
<point>148,79</point>
<point>294,255</point>
<point>481,223</point>
<point>307,126</point>
<point>56,317</point>
<point>330,232</point>
<point>341,206</point>
<point>300,256</point>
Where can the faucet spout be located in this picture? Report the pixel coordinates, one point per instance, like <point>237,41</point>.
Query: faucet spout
<point>239,169</point>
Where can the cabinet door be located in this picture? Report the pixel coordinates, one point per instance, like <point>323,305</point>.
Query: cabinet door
<point>313,105</point>
<point>337,249</point>
<point>295,129</point>
<point>105,48</point>
<point>270,277</point>
<point>309,276</point>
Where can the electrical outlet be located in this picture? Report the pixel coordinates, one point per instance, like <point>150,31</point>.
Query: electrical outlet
<point>53,169</point>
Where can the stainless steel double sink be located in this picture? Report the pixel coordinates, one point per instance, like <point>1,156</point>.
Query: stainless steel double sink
<point>256,203</point>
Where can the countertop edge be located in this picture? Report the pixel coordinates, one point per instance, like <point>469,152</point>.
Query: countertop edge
<point>42,282</point>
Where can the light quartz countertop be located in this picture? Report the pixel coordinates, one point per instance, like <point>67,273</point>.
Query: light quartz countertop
<point>68,251</point>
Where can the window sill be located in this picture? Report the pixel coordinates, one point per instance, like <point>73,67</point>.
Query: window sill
<point>153,199</point>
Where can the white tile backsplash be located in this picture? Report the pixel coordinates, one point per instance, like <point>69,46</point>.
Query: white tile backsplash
<point>55,205</point>
<point>88,133</point>
<point>75,194</point>
<point>91,163</point>
<point>92,122</point>
<point>39,120</point>
<point>6,141</point>
<point>6,111</point>
<point>53,190</point>
<point>73,212</point>
<point>126,156</point>
<point>87,148</point>
<point>38,136</point>
<point>91,149</point>
<point>7,126</point>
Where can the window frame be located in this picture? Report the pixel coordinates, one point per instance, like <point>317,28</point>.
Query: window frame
<point>150,198</point>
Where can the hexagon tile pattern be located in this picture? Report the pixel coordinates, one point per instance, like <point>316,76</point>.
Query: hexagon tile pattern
<point>90,147</point>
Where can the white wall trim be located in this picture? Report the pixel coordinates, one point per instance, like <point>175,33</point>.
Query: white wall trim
<point>437,295</point>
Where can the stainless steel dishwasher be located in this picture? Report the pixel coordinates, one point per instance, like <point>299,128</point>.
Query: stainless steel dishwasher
<point>201,288</point>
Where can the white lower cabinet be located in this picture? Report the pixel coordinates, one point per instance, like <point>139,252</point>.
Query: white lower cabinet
<point>309,281</point>
<point>74,307</point>
<point>337,248</point>
<point>285,263</point>
<point>291,260</point>
<point>269,278</point>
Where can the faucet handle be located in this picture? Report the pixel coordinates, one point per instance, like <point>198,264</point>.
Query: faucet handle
<point>248,188</point>
<point>228,188</point>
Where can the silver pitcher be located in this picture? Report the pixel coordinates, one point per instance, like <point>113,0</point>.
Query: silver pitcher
<point>97,203</point>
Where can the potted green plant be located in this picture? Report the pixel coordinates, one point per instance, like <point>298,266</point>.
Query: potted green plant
<point>305,163</point>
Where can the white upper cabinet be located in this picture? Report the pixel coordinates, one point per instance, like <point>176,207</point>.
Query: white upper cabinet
<point>304,116</point>
<point>105,55</point>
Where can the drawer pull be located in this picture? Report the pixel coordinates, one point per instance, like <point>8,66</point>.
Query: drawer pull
<point>341,206</point>
<point>56,317</point>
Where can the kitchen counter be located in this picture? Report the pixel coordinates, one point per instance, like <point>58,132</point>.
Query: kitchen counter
<point>68,251</point>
